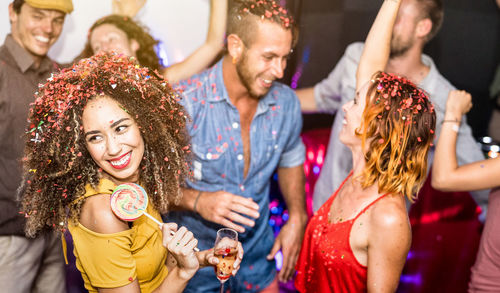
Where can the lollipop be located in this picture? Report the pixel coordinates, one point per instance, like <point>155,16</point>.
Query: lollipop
<point>129,201</point>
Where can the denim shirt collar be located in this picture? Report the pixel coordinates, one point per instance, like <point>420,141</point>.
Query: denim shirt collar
<point>216,78</point>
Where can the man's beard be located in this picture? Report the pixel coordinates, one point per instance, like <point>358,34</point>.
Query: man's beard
<point>399,48</point>
<point>246,76</point>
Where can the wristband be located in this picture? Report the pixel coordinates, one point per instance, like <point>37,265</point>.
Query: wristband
<point>196,200</point>
<point>455,127</point>
<point>454,121</point>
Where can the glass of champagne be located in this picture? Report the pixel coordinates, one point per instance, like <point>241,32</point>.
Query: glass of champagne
<point>226,250</point>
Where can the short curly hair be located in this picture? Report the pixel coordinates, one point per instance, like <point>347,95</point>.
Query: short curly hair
<point>57,165</point>
<point>244,13</point>
<point>146,54</point>
<point>398,123</point>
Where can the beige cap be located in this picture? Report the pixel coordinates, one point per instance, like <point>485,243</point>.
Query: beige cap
<point>65,6</point>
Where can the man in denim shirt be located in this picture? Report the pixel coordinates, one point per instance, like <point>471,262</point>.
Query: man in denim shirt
<point>244,126</point>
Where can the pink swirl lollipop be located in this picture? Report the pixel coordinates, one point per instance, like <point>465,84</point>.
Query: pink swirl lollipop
<point>129,201</point>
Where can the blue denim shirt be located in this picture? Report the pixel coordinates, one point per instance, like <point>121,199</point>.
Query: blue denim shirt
<point>218,165</point>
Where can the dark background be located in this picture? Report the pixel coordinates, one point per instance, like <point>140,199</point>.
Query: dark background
<point>466,50</point>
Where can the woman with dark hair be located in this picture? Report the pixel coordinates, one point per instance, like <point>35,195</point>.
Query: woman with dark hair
<point>121,34</point>
<point>448,176</point>
<point>359,239</point>
<point>104,122</point>
<point>124,35</point>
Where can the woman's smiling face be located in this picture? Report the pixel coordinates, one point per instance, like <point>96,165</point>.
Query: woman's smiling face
<point>353,116</point>
<point>113,139</point>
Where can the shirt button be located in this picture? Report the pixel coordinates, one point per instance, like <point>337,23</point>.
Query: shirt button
<point>240,157</point>
<point>209,156</point>
<point>235,125</point>
<point>275,146</point>
<point>242,187</point>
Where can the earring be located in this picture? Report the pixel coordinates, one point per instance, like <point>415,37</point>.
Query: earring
<point>235,60</point>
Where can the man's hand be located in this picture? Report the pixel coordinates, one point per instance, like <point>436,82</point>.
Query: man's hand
<point>228,209</point>
<point>289,241</point>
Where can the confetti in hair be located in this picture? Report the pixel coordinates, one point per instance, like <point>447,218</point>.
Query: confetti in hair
<point>267,9</point>
<point>414,100</point>
<point>240,17</point>
<point>398,124</point>
<point>56,148</point>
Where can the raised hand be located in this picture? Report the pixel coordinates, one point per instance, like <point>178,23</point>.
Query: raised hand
<point>459,102</point>
<point>228,209</point>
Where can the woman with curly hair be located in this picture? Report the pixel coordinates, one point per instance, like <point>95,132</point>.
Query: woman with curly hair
<point>121,34</point>
<point>359,239</point>
<point>104,122</point>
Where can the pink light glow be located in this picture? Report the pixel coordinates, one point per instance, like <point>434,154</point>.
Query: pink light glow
<point>310,155</point>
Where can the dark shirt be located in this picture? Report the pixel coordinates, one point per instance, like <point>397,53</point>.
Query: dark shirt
<point>19,81</point>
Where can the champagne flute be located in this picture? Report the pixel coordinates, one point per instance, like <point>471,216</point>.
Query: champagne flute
<point>225,249</point>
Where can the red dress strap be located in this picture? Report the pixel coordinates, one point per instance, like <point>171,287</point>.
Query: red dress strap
<point>369,205</point>
<point>341,185</point>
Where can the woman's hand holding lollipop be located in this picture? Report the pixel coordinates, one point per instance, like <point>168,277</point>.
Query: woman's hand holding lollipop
<point>129,201</point>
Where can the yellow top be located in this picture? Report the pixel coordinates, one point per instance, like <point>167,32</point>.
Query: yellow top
<point>115,260</point>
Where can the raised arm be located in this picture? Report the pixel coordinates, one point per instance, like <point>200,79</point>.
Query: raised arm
<point>378,43</point>
<point>446,174</point>
<point>202,57</point>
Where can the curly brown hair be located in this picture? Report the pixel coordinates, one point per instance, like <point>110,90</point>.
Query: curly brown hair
<point>146,54</point>
<point>398,123</point>
<point>57,165</point>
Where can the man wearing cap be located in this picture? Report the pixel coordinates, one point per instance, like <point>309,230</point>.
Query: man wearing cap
<point>26,265</point>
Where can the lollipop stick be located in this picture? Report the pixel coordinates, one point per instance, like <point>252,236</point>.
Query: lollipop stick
<point>153,218</point>
<point>172,233</point>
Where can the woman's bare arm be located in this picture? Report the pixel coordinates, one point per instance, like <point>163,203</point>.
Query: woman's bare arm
<point>446,174</point>
<point>378,43</point>
<point>202,57</point>
<point>389,240</point>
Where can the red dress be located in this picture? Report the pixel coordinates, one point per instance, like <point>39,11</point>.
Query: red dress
<point>326,262</point>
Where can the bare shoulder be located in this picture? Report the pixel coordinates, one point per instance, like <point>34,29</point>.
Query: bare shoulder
<point>97,215</point>
<point>389,215</point>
